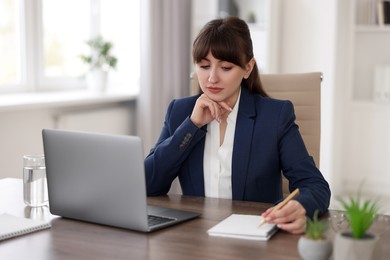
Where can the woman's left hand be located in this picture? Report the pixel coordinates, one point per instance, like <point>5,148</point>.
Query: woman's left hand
<point>291,217</point>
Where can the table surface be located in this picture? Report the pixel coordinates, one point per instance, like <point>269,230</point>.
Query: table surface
<point>70,239</point>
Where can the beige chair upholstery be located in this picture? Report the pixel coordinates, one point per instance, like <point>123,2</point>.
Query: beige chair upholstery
<point>304,91</point>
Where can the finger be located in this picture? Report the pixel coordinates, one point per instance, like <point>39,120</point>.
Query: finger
<point>224,105</point>
<point>267,212</point>
<point>290,212</point>
<point>292,207</point>
<point>296,227</point>
<point>207,104</point>
<point>203,112</point>
<point>218,112</point>
<point>213,106</point>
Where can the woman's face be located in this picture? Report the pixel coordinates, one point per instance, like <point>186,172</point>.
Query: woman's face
<point>220,80</point>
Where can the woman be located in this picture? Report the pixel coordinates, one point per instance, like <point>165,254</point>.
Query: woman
<point>232,141</point>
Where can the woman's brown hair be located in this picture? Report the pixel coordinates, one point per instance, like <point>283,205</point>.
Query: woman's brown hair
<point>229,40</point>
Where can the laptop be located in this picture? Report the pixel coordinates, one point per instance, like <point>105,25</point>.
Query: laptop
<point>100,178</point>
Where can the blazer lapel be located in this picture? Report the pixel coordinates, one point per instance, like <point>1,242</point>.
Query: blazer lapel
<point>242,143</point>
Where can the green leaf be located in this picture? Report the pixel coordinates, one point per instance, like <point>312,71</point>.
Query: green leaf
<point>100,54</point>
<point>315,229</point>
<point>360,214</point>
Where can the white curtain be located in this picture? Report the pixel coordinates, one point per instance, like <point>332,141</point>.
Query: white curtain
<point>165,62</point>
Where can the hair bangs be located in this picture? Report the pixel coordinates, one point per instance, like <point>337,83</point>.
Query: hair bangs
<point>223,46</point>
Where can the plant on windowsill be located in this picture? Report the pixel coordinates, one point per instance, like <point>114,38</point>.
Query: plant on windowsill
<point>314,243</point>
<point>100,61</point>
<point>358,242</point>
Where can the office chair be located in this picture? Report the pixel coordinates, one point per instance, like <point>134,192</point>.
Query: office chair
<point>304,91</point>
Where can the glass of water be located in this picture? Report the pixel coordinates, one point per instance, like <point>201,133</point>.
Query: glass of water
<point>34,180</point>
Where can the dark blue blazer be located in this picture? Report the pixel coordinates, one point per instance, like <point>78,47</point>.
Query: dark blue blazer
<point>266,142</point>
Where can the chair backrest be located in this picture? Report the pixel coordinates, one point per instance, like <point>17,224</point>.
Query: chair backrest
<point>304,91</point>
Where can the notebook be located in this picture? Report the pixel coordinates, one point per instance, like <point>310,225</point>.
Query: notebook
<point>13,226</point>
<point>100,178</point>
<point>244,227</point>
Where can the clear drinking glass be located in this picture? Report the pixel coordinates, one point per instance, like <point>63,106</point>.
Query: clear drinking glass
<point>34,180</point>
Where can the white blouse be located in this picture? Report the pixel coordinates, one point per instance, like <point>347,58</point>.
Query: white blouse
<point>217,160</point>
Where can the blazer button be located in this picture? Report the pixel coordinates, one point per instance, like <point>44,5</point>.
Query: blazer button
<point>186,138</point>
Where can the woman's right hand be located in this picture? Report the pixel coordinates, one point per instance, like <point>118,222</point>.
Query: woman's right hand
<point>206,110</point>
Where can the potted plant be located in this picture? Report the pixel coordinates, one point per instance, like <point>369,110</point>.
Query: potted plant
<point>100,60</point>
<point>357,242</point>
<point>314,244</point>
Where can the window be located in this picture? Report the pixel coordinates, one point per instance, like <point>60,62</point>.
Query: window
<point>41,40</point>
<point>10,39</point>
<point>120,22</point>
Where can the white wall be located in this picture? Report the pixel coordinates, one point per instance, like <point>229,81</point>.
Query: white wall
<point>307,43</point>
<point>341,96</point>
<point>355,141</point>
<point>19,135</point>
<point>362,140</point>
<point>20,130</point>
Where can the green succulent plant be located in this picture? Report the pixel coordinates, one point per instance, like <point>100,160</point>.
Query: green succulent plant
<point>360,214</point>
<point>100,56</point>
<point>315,228</point>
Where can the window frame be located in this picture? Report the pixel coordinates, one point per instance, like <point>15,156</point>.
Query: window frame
<point>16,87</point>
<point>31,50</point>
<point>43,83</point>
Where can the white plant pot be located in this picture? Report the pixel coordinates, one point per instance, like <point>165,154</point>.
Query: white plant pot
<point>347,247</point>
<point>310,249</point>
<point>97,80</point>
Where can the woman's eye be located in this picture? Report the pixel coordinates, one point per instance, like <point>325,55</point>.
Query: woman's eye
<point>226,68</point>
<point>204,66</point>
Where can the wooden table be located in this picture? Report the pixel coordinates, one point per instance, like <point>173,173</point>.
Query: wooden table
<point>69,239</point>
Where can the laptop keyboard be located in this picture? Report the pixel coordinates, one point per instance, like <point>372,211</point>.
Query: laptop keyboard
<point>157,220</point>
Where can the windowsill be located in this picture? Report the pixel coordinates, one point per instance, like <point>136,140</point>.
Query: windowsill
<point>41,100</point>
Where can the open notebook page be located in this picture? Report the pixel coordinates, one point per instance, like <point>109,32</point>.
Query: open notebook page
<point>244,227</point>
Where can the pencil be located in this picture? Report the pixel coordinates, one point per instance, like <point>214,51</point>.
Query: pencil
<point>281,204</point>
